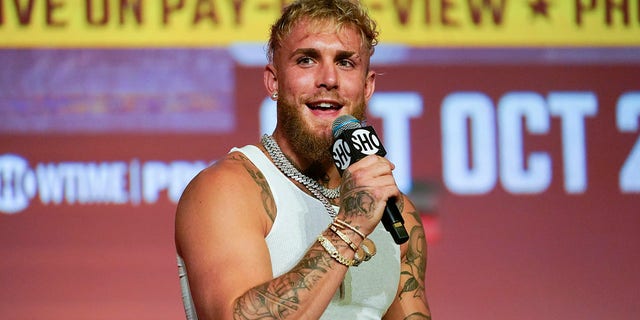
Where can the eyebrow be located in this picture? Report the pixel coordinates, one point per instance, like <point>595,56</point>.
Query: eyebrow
<point>314,53</point>
<point>346,54</point>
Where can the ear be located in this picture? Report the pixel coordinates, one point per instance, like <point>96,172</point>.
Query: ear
<point>369,85</point>
<point>270,79</point>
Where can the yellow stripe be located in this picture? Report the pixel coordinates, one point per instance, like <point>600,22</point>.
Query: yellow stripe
<point>71,23</point>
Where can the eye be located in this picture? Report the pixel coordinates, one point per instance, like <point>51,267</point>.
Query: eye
<point>346,63</point>
<point>305,60</point>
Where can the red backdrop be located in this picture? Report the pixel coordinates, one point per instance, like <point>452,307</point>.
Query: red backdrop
<point>555,251</point>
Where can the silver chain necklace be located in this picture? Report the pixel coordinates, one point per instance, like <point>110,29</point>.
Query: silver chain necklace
<point>319,191</point>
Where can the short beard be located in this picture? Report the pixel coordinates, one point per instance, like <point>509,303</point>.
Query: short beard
<point>315,147</point>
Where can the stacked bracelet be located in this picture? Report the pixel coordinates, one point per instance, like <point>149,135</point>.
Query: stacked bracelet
<point>341,224</point>
<point>344,237</point>
<point>333,252</point>
<point>364,252</point>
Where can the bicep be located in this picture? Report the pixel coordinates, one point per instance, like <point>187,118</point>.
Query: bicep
<point>220,235</point>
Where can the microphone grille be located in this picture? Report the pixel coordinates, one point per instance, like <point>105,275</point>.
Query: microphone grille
<point>344,122</point>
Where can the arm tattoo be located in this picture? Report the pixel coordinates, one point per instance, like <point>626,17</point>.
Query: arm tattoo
<point>282,296</point>
<point>414,266</point>
<point>356,201</point>
<point>265,192</point>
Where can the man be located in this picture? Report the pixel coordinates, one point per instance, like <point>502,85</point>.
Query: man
<point>272,231</point>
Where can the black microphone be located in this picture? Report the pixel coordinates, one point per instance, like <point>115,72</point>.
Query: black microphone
<point>353,142</point>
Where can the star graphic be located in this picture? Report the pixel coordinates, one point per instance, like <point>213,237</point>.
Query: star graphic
<point>540,8</point>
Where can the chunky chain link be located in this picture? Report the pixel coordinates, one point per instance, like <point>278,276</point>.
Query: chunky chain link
<point>319,191</point>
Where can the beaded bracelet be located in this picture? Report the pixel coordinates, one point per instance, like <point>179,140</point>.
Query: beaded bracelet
<point>333,252</point>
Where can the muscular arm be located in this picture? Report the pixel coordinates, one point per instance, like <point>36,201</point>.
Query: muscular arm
<point>282,297</point>
<point>221,224</point>
<point>410,302</point>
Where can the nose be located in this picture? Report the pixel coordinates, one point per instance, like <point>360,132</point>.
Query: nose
<point>328,76</point>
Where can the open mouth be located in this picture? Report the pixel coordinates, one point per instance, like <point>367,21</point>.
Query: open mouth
<point>323,106</point>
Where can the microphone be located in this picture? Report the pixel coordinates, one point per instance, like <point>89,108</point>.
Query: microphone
<point>353,142</point>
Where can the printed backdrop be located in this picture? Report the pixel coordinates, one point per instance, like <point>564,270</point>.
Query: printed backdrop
<point>514,126</point>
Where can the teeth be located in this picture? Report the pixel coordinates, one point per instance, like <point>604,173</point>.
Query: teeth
<point>324,105</point>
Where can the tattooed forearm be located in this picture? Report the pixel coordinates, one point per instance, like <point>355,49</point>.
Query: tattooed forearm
<point>281,297</point>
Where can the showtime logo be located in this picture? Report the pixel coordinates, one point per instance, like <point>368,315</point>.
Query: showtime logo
<point>116,183</point>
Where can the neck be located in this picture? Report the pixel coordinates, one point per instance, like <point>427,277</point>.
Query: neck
<point>321,170</point>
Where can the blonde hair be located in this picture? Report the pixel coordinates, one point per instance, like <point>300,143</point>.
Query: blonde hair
<point>341,12</point>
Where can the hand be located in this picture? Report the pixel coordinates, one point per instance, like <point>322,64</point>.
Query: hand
<point>366,186</point>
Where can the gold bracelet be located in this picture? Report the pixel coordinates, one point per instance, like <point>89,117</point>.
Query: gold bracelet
<point>344,238</point>
<point>341,224</point>
<point>333,252</point>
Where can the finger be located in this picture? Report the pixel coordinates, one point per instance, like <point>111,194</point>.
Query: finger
<point>371,166</point>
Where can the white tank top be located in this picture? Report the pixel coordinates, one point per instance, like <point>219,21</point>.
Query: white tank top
<point>369,288</point>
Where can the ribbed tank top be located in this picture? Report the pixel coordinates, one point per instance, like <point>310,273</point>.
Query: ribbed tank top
<point>300,218</point>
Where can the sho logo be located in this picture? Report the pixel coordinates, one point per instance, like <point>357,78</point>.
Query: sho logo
<point>341,154</point>
<point>17,183</point>
<point>355,144</point>
<point>365,141</point>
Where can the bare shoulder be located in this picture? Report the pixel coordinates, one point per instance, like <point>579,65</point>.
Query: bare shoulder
<point>216,181</point>
<point>232,189</point>
<point>235,166</point>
